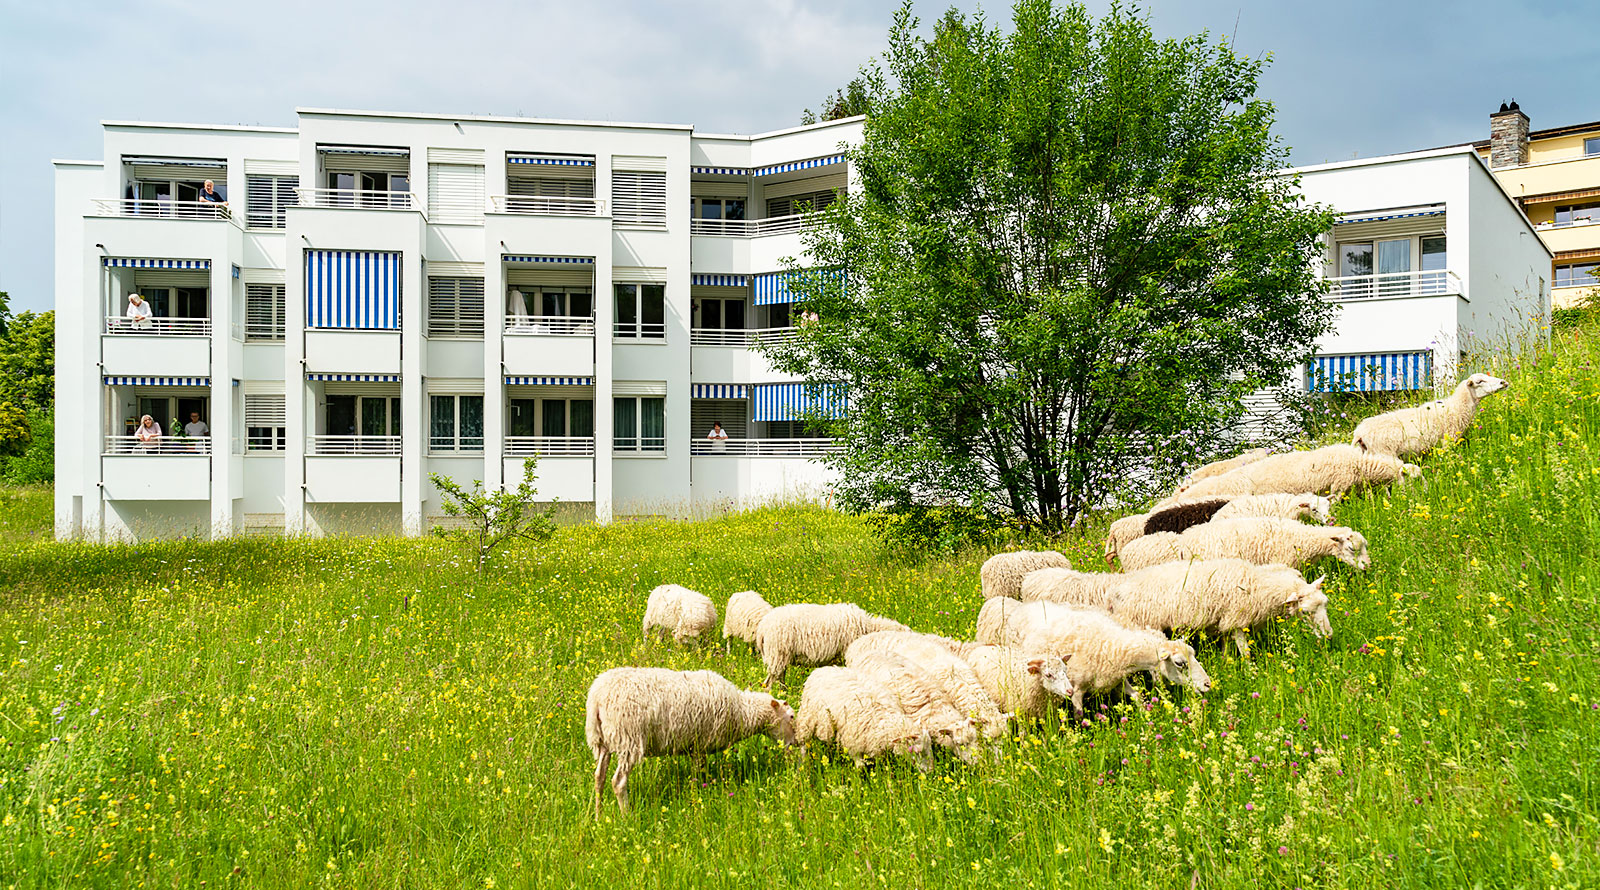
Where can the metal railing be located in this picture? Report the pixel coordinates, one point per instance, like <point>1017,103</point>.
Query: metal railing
<point>750,228</point>
<point>448,445</point>
<point>543,205</point>
<point>161,209</point>
<point>358,199</point>
<point>1394,284</point>
<point>158,445</point>
<point>159,327</point>
<point>1567,223</point>
<point>353,445</point>
<point>802,448</point>
<point>636,444</point>
<point>553,325</point>
<point>549,446</point>
<point>646,330</point>
<point>741,337</point>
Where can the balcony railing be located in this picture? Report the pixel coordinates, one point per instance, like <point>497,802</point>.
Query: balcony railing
<point>741,338</point>
<point>1394,284</point>
<point>642,330</point>
<point>637,444</point>
<point>550,325</point>
<point>158,445</point>
<point>155,207</point>
<point>748,228</point>
<point>159,327</point>
<point>802,448</point>
<point>541,205</point>
<point>353,445</point>
<point>358,199</point>
<point>549,446</point>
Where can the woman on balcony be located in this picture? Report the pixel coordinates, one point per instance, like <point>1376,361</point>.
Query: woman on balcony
<point>139,316</point>
<point>718,436</point>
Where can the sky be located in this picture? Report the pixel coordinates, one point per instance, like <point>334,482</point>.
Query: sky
<point>1355,79</point>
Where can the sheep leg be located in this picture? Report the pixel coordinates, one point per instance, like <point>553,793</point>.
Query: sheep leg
<point>1242,640</point>
<point>1129,690</point>
<point>776,668</point>
<point>626,761</point>
<point>1077,701</point>
<point>602,762</point>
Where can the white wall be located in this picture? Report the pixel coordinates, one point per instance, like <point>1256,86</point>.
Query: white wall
<point>1510,270</point>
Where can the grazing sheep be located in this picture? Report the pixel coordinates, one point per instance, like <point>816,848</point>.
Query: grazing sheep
<point>818,634</point>
<point>1263,541</point>
<point>1412,431</point>
<point>1228,596</point>
<point>743,612</point>
<point>683,611</point>
<point>1105,652</point>
<point>1179,513</point>
<point>1332,470</point>
<point>854,711</point>
<point>1217,468</point>
<point>993,617</point>
<point>1020,620</point>
<point>1091,589</point>
<point>920,696</point>
<point>1121,532</point>
<point>1002,573</point>
<point>636,713</point>
<point>943,659</point>
<point>1023,685</point>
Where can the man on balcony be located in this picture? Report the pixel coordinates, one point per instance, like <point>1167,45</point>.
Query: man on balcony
<point>139,313</point>
<point>210,195</point>
<point>196,427</point>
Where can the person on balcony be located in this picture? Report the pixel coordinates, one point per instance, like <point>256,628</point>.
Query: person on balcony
<point>148,434</point>
<point>210,195</point>
<point>139,315</point>
<point>718,436</point>
<point>196,427</point>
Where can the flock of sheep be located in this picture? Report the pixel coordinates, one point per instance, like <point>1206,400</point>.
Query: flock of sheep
<point>1221,555</point>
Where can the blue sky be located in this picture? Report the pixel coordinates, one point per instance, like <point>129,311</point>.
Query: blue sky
<point>1354,79</point>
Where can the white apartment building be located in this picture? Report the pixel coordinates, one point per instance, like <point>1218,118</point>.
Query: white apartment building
<point>387,296</point>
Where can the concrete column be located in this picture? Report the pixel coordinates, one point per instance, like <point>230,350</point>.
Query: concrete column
<point>297,404</point>
<point>494,378</point>
<point>221,420</point>
<point>605,311</point>
<point>413,401</point>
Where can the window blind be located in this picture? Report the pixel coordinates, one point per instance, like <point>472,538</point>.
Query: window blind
<point>455,193</point>
<point>268,199</point>
<point>263,311</point>
<point>639,198</point>
<point>455,307</point>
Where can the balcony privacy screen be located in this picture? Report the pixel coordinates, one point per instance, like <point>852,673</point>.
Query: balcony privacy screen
<point>1378,372</point>
<point>773,287</point>
<point>790,401</point>
<point>353,290</point>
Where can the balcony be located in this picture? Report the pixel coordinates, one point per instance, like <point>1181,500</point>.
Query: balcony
<point>348,446</point>
<point>146,208</point>
<point>549,446</point>
<point>549,326</point>
<point>805,449</point>
<point>159,327</point>
<point>538,205</point>
<point>1393,285</point>
<point>358,199</point>
<point>751,228</point>
<point>741,338</point>
<point>161,446</point>
<point>170,468</point>
<point>353,469</point>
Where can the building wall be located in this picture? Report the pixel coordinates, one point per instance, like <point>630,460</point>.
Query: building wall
<point>1509,270</point>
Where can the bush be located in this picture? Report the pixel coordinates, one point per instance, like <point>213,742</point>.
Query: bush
<point>918,531</point>
<point>37,462</point>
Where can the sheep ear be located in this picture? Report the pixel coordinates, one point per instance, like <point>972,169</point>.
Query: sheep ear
<point>1317,584</point>
<point>778,705</point>
<point>1035,666</point>
<point>1066,658</point>
<point>1293,598</point>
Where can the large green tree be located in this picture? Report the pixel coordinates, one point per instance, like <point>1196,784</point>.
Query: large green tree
<point>1071,255</point>
<point>27,390</point>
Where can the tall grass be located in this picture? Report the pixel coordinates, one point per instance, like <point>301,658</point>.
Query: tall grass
<point>370,713</point>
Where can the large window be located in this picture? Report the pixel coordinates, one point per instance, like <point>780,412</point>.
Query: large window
<point>455,307</point>
<point>1591,146</point>
<point>363,415</point>
<point>177,302</point>
<point>718,314</point>
<point>641,310</point>
<point>369,188</point>
<point>1567,214</point>
<point>264,422</point>
<point>263,311</point>
<point>268,199</point>
<point>1578,274</point>
<point>640,423</point>
<point>717,208</point>
<point>1385,267</point>
<point>806,203</point>
<point>456,424</point>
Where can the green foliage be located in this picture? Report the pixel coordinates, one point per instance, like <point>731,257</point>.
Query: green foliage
<point>37,462</point>
<point>1585,312</point>
<point>492,518</point>
<point>1069,260</point>
<point>847,102</point>
<point>917,531</point>
<point>27,394</point>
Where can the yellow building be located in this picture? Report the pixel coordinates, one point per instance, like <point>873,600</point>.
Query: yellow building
<point>1555,174</point>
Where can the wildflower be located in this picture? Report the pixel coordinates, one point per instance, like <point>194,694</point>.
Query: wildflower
<point>1283,851</point>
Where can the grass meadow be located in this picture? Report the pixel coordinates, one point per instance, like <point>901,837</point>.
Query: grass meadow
<point>369,713</point>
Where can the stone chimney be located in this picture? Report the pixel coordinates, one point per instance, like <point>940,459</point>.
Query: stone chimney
<point>1508,137</point>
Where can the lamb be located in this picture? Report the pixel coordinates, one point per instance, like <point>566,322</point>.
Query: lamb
<point>636,713</point>
<point>1412,431</point>
<point>816,633</point>
<point>683,611</point>
<point>1105,652</point>
<point>1261,540</point>
<point>1217,468</point>
<point>1090,589</point>
<point>1178,514</point>
<point>1228,596</point>
<point>1332,469</point>
<point>919,695</point>
<point>744,611</point>
<point>1002,573</point>
<point>849,708</point>
<point>944,661</point>
<point>1023,685</point>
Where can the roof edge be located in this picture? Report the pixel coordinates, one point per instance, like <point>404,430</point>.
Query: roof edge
<point>163,125</point>
<point>485,118</point>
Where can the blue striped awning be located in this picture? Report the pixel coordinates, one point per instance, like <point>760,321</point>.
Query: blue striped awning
<point>719,280</point>
<point>1371,373</point>
<point>1397,213</point>
<point>721,171</point>
<point>788,401</point>
<point>718,391</point>
<point>157,381</point>
<point>353,289</point>
<point>549,381</point>
<point>550,160</point>
<point>354,378</point>
<point>773,287</point>
<point>798,165</point>
<point>129,262</point>
<point>569,260</point>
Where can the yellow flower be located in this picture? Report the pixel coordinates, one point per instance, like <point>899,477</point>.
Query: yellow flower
<point>1556,863</point>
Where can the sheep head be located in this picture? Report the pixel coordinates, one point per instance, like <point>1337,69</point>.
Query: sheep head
<point>1180,667</point>
<point>1480,385</point>
<point>956,735</point>
<point>1312,604</point>
<point>781,722</point>
<point>1052,673</point>
<point>1352,548</point>
<point>1315,506</point>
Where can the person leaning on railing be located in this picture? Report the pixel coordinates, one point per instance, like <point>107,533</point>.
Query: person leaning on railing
<point>718,436</point>
<point>139,314</point>
<point>210,195</point>
<point>148,434</point>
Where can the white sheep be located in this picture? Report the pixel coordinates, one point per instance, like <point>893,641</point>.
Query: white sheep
<point>684,612</point>
<point>993,616</point>
<point>1180,513</point>
<point>943,659</point>
<point>816,634</point>
<point>1001,574</point>
<point>1105,652</point>
<point>920,696</point>
<point>1217,468</point>
<point>1088,589</point>
<point>1262,541</point>
<point>1227,596</point>
<point>1407,432</point>
<point>1023,685</point>
<point>636,713</point>
<point>1283,506</point>
<point>854,711</point>
<point>743,612</point>
<point>1332,470</point>
<point>1012,622</point>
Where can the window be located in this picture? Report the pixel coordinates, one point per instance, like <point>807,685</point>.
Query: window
<point>268,199</point>
<point>718,315</point>
<point>455,307</point>
<point>640,423</point>
<point>177,302</point>
<point>1434,262</point>
<point>1578,274</point>
<point>717,208</point>
<point>549,187</point>
<point>639,198</point>
<point>456,424</point>
<point>363,415</point>
<point>1568,214</point>
<point>369,188</point>
<point>265,426</point>
<point>455,193</point>
<point>806,203</point>
<point>641,310</point>
<point>1591,146</point>
<point>263,312</point>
